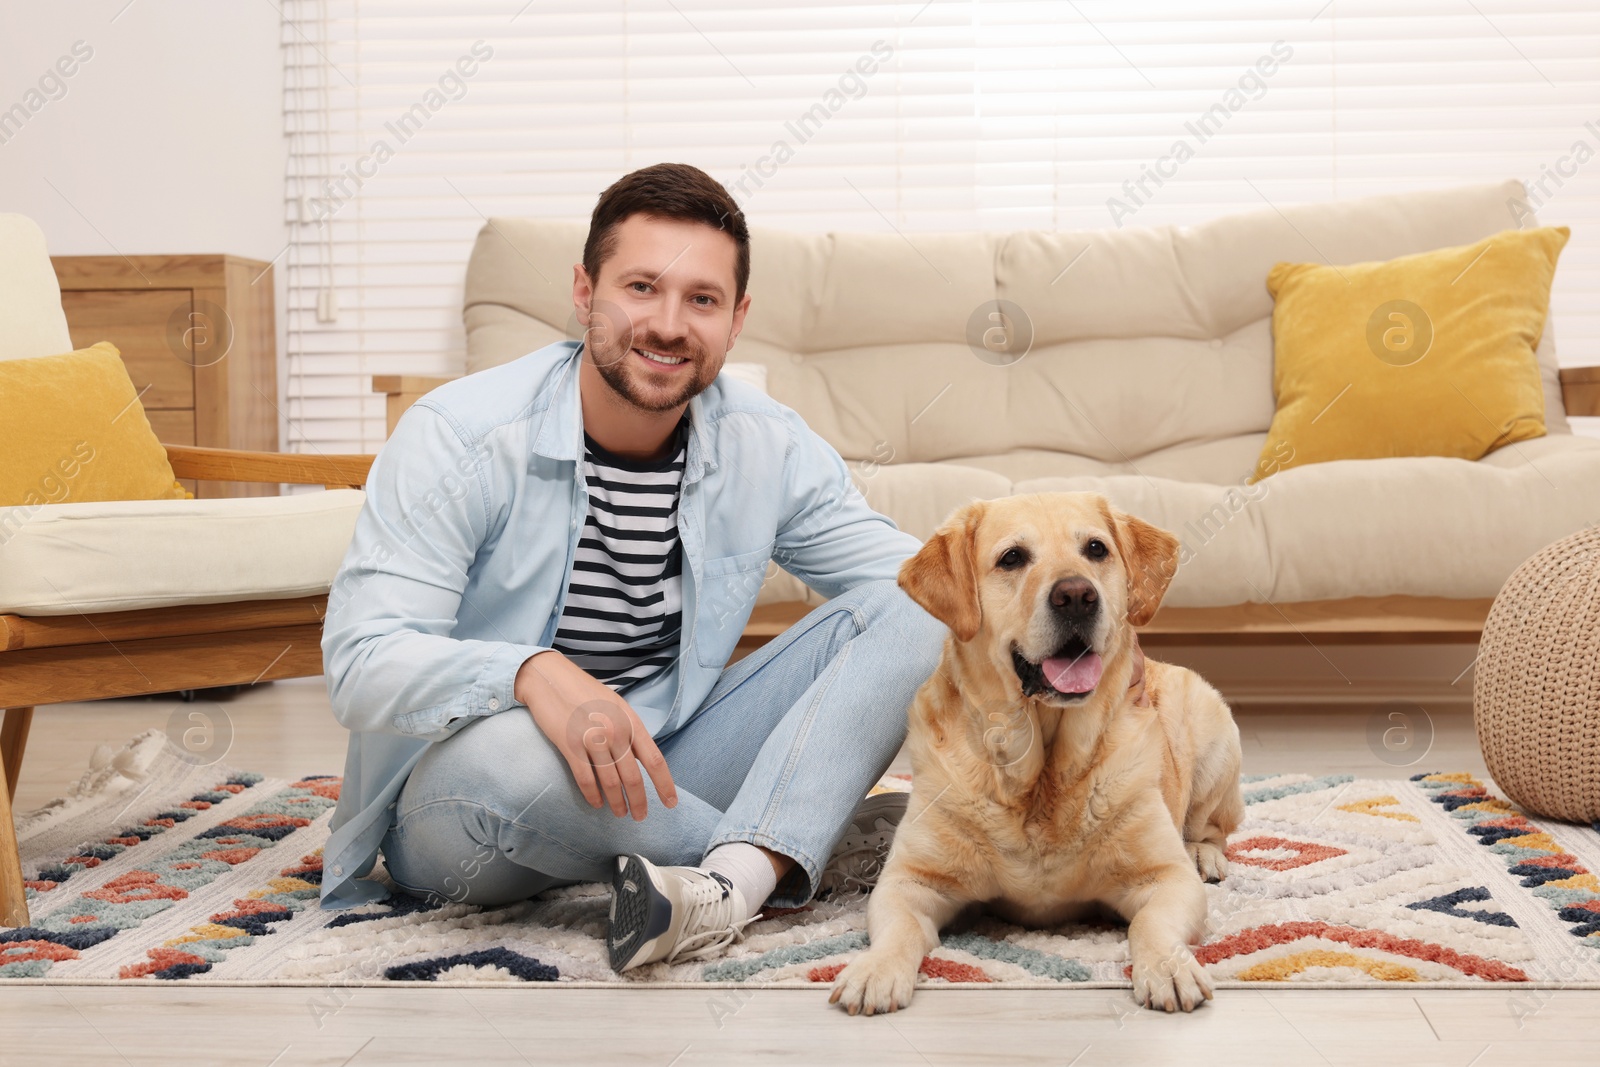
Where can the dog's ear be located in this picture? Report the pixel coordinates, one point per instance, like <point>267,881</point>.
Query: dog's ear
<point>943,575</point>
<point>1150,556</point>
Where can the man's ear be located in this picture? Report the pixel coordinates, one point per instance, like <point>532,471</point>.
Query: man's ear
<point>740,310</point>
<point>943,576</point>
<point>1150,556</point>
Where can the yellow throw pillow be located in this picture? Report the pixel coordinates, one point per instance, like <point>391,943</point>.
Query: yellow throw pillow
<point>1425,355</point>
<point>75,431</point>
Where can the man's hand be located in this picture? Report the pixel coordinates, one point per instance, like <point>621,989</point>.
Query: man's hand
<point>1136,686</point>
<point>600,736</point>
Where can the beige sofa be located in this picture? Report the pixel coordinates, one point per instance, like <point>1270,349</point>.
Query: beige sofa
<point>1149,378</point>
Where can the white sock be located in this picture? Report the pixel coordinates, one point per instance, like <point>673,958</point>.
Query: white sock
<point>748,868</point>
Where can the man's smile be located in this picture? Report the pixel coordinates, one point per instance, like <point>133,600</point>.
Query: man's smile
<point>665,362</point>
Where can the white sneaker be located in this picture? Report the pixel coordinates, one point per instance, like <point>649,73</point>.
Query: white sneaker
<point>670,913</point>
<point>858,859</point>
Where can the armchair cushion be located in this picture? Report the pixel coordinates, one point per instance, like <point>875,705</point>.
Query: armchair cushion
<point>126,555</point>
<point>32,323</point>
<point>75,431</point>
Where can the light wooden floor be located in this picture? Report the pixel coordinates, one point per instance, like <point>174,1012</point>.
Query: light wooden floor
<point>286,729</point>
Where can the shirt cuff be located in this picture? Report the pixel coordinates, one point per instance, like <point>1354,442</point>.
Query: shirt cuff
<point>490,693</point>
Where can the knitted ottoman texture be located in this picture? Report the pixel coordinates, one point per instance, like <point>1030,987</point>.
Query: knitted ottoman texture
<point>1536,694</point>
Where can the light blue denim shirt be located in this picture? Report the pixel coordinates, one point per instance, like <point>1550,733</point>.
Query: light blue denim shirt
<point>458,568</point>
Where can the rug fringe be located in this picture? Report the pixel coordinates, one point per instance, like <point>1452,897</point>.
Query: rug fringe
<point>110,771</point>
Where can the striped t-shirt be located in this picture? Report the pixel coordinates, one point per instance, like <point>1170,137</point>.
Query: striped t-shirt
<point>624,611</point>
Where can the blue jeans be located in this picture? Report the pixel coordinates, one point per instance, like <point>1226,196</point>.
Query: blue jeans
<point>779,755</point>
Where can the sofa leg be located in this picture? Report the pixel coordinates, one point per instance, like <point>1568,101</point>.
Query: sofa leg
<point>13,901</point>
<point>13,739</point>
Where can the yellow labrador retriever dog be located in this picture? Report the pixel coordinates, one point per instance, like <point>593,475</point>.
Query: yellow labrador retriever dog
<point>1043,790</point>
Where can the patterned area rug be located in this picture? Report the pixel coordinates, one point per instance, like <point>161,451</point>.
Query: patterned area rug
<point>158,869</point>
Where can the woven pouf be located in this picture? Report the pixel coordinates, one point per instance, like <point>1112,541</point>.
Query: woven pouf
<point>1536,697</point>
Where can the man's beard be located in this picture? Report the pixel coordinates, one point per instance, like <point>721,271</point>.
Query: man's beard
<point>616,367</point>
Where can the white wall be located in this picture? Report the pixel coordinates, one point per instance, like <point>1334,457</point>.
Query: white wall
<point>167,139</point>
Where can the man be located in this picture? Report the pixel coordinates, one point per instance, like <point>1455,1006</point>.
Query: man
<point>528,636</point>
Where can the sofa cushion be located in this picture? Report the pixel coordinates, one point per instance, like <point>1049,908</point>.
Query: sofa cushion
<point>1424,355</point>
<point>61,559</point>
<point>1419,526</point>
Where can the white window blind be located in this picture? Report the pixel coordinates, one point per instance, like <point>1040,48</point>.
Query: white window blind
<point>954,114</point>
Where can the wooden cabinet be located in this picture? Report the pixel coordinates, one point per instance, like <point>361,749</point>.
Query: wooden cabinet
<point>198,338</point>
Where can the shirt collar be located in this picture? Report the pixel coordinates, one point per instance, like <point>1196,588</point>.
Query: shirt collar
<point>560,433</point>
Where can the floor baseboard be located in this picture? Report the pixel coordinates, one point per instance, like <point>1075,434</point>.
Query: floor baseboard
<point>1428,694</point>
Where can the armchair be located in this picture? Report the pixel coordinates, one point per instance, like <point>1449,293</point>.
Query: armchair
<point>126,598</point>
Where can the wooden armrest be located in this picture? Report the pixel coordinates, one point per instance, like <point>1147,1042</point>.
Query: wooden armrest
<point>1580,390</point>
<point>298,468</point>
<point>402,391</point>
<point>406,383</point>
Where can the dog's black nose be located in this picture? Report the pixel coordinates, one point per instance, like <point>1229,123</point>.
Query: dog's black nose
<point>1074,598</point>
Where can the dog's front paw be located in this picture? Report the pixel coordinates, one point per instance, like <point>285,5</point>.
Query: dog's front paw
<point>872,984</point>
<point>1209,860</point>
<point>1171,982</point>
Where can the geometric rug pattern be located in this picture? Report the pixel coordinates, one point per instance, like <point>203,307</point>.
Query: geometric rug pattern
<point>157,869</point>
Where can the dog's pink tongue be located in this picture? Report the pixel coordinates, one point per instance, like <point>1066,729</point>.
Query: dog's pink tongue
<point>1073,675</point>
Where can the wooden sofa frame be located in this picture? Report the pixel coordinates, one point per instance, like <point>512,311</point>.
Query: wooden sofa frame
<point>52,659</point>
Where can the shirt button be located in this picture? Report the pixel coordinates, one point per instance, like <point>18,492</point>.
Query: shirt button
<point>338,870</point>
<point>494,703</point>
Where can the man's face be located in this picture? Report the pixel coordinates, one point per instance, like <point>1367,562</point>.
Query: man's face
<point>661,317</point>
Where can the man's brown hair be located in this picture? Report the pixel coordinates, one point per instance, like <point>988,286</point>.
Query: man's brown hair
<point>669,191</point>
